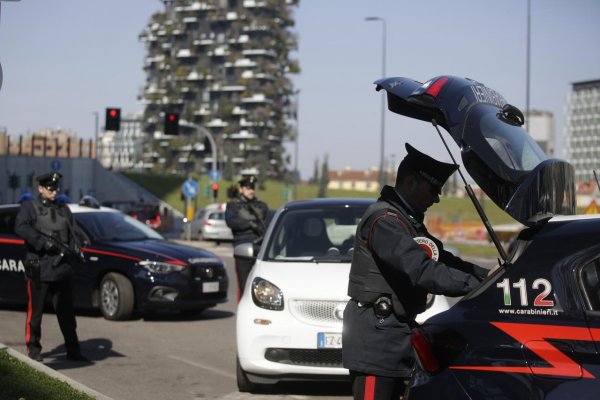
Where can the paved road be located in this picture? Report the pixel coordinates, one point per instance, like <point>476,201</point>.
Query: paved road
<point>163,356</point>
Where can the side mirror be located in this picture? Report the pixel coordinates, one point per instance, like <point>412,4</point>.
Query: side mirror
<point>244,250</point>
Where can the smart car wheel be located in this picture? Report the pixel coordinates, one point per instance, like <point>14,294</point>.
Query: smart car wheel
<point>116,297</point>
<point>243,383</point>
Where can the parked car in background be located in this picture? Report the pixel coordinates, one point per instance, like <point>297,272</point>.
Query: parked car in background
<point>289,320</point>
<point>128,267</point>
<point>209,224</point>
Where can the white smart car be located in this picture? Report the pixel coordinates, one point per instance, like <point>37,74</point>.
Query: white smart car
<point>289,320</point>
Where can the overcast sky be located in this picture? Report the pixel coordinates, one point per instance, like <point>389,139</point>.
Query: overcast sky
<point>63,60</point>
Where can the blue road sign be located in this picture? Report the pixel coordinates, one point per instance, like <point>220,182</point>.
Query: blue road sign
<point>214,175</point>
<point>55,165</point>
<point>190,188</point>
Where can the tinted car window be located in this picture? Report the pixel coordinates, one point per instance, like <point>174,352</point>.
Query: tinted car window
<point>7,221</point>
<point>114,226</point>
<point>517,151</point>
<point>590,280</point>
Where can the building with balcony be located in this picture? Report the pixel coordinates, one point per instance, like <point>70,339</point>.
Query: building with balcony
<point>222,65</point>
<point>582,130</point>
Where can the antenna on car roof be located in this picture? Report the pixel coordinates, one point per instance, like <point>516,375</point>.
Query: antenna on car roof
<point>471,194</point>
<point>596,178</point>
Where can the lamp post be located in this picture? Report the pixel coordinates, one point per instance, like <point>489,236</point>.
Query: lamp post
<point>383,46</point>
<point>210,137</point>
<point>296,175</point>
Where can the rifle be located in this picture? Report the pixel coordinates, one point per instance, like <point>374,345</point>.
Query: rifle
<point>260,220</point>
<point>64,250</point>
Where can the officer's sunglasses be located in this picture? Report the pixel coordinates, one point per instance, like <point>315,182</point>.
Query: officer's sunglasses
<point>51,188</point>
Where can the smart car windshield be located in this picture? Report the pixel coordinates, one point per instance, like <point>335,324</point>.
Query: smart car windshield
<point>114,226</point>
<point>315,235</point>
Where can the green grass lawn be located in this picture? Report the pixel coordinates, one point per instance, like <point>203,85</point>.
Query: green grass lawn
<point>19,381</point>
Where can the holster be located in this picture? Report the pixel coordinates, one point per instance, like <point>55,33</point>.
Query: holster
<point>32,270</point>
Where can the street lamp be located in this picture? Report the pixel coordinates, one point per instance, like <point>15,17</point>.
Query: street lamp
<point>296,175</point>
<point>211,139</point>
<point>381,173</point>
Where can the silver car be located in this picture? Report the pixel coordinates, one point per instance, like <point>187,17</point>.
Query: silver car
<point>209,224</point>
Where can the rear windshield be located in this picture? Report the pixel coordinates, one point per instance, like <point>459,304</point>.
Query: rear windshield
<point>509,143</point>
<point>316,234</point>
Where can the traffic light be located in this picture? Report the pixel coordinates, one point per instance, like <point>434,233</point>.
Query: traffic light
<point>171,124</point>
<point>215,190</point>
<point>113,119</point>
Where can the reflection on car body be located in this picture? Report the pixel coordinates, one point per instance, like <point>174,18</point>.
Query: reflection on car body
<point>289,320</point>
<point>532,329</point>
<point>128,267</point>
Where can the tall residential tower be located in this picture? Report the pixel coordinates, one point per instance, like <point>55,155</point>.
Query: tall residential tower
<point>223,66</point>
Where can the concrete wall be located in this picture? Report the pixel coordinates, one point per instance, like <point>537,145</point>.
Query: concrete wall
<point>81,176</point>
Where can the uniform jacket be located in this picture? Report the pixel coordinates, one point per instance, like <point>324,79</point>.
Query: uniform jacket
<point>49,217</point>
<point>241,213</point>
<point>388,261</point>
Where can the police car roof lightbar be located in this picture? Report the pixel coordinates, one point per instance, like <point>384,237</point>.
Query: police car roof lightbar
<point>476,203</point>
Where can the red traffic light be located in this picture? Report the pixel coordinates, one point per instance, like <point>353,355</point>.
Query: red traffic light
<point>171,124</point>
<point>113,119</point>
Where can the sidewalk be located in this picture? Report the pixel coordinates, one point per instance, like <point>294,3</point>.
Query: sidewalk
<point>54,374</point>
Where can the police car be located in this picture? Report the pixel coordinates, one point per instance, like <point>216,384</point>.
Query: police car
<point>532,329</point>
<point>128,267</point>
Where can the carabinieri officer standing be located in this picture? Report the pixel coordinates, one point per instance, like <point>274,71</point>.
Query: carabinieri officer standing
<point>51,242</point>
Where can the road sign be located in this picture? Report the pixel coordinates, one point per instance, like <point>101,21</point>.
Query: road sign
<point>214,175</point>
<point>55,165</point>
<point>190,188</point>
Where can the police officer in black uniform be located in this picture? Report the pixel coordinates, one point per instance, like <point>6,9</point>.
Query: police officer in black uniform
<point>246,216</point>
<point>396,262</point>
<point>51,240</point>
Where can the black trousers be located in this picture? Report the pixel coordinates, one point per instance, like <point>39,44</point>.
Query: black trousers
<point>61,294</point>
<point>373,387</point>
<point>243,266</point>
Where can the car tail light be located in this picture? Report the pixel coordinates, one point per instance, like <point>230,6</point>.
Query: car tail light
<point>435,86</point>
<point>424,351</point>
<point>436,347</point>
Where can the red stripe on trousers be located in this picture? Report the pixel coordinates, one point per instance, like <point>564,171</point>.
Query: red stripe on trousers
<point>29,312</point>
<point>369,387</point>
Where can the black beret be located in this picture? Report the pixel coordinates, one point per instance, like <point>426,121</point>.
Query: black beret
<point>434,171</point>
<point>51,179</point>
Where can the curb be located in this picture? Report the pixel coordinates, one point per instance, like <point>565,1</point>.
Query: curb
<point>54,374</point>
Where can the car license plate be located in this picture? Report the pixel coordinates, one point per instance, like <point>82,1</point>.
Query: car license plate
<point>210,287</point>
<point>327,340</point>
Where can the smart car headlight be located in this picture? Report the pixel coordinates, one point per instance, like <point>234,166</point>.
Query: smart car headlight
<point>158,267</point>
<point>267,295</point>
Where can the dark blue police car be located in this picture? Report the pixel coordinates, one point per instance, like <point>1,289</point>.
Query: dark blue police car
<point>532,329</point>
<point>129,267</point>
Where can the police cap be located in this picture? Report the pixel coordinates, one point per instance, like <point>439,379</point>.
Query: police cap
<point>51,179</point>
<point>433,171</point>
<point>248,181</point>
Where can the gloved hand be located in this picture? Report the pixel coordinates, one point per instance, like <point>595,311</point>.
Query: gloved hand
<point>49,246</point>
<point>256,228</point>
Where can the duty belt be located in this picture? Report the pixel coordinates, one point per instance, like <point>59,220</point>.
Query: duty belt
<point>382,307</point>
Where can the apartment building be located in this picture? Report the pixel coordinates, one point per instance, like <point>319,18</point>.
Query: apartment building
<point>223,66</point>
<point>582,130</point>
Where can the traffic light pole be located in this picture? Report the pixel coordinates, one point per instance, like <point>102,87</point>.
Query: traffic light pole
<point>211,139</point>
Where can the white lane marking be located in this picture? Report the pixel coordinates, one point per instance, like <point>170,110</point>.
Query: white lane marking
<point>205,367</point>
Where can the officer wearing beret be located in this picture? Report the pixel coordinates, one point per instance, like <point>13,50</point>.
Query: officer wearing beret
<point>51,241</point>
<point>396,263</point>
<point>246,216</point>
